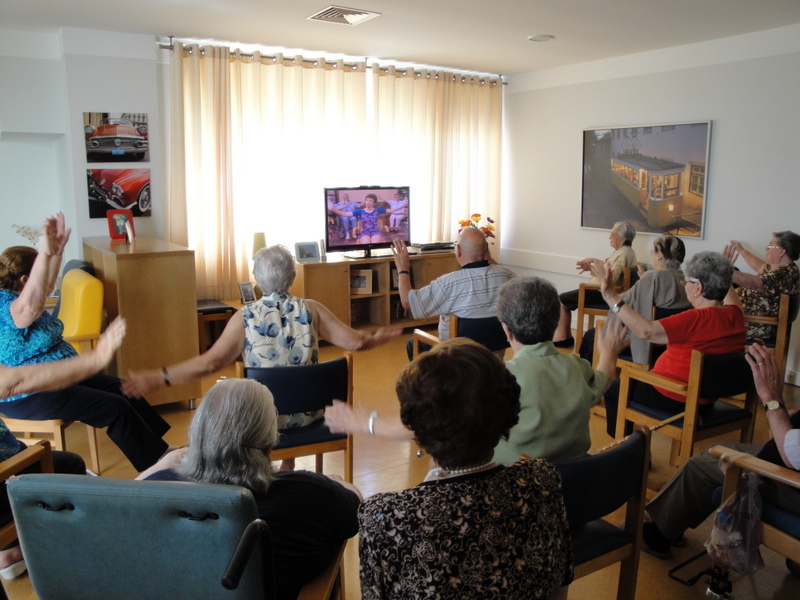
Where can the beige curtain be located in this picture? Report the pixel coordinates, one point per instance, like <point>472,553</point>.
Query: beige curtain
<point>262,136</point>
<point>446,129</point>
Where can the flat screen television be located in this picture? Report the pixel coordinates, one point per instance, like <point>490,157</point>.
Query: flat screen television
<point>366,218</point>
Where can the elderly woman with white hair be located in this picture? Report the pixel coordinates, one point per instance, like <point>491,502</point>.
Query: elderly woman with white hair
<point>276,330</point>
<point>623,257</point>
<point>230,439</point>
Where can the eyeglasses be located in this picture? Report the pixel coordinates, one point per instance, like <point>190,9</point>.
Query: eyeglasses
<point>773,247</point>
<point>690,280</point>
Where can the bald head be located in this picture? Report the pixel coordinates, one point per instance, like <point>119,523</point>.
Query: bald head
<point>472,245</point>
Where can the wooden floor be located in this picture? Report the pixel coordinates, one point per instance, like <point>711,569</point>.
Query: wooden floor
<point>384,465</point>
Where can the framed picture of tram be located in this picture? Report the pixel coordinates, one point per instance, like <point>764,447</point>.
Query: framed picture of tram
<point>653,176</point>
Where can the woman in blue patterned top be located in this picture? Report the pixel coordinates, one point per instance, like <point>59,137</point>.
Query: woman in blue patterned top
<point>50,376</point>
<point>30,335</point>
<point>277,330</point>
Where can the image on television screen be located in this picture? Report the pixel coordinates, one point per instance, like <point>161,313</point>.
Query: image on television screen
<point>365,218</point>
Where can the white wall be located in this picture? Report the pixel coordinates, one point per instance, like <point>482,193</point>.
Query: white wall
<point>48,82</point>
<point>751,93</point>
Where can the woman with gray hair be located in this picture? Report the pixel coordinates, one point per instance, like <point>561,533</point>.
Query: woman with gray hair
<point>277,330</point>
<point>621,239</point>
<point>661,286</point>
<point>715,325</point>
<point>230,439</point>
<point>777,274</point>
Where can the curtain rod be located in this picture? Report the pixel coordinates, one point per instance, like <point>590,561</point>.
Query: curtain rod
<point>315,62</point>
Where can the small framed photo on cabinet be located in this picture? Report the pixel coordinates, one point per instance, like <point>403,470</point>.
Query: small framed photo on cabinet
<point>306,252</point>
<point>247,292</point>
<point>360,281</point>
<point>120,224</point>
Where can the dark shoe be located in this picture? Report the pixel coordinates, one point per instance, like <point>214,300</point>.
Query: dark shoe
<point>655,542</point>
<point>565,343</point>
<point>679,542</point>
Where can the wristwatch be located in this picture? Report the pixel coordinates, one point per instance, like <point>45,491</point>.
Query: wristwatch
<point>773,405</point>
<point>617,306</point>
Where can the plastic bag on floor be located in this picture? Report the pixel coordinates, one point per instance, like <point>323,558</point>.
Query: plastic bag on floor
<point>736,533</point>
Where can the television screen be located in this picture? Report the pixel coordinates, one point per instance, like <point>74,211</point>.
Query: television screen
<point>365,218</point>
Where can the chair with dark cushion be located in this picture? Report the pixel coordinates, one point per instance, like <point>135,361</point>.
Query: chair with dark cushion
<point>595,487</point>
<point>210,311</point>
<point>780,528</point>
<point>487,331</point>
<point>719,376</point>
<point>307,388</point>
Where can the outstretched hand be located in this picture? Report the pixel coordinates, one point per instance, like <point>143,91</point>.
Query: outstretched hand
<point>401,259</point>
<point>110,340</point>
<point>612,338</point>
<point>765,373</point>
<point>140,383</point>
<point>55,235</point>
<point>731,251</point>
<point>342,418</point>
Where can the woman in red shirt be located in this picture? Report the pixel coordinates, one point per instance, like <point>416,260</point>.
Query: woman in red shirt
<point>715,326</point>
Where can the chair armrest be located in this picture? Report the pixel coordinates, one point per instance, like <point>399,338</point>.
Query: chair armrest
<point>85,343</point>
<point>759,319</point>
<point>238,369</point>
<point>667,383</point>
<point>589,286</point>
<point>322,585</point>
<point>424,337</point>
<point>749,462</point>
<point>39,452</point>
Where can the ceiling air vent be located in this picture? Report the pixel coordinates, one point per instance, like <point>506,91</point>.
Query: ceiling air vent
<point>343,15</point>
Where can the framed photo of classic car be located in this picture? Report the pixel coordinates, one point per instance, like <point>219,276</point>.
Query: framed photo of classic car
<point>120,224</point>
<point>119,189</point>
<point>652,176</point>
<point>114,137</point>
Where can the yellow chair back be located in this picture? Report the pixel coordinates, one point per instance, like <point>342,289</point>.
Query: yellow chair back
<point>81,304</point>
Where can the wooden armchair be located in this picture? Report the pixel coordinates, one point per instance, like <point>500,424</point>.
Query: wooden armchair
<point>307,388</point>
<point>779,345</point>
<point>710,376</point>
<point>781,529</point>
<point>591,311</point>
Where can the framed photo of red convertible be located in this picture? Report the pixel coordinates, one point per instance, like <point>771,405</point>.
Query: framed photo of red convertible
<point>120,224</point>
<point>120,189</point>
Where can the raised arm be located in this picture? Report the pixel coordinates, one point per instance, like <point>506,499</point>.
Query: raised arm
<point>62,373</point>
<point>332,330</point>
<point>641,327</point>
<point>611,339</point>
<point>341,418</point>
<point>403,263</point>
<point>756,263</point>
<point>770,387</point>
<point>29,305</point>
<point>225,350</point>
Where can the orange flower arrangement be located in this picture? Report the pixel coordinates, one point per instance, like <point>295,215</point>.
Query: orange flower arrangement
<point>474,221</point>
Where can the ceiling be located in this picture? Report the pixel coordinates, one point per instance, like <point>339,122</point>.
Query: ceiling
<point>478,35</point>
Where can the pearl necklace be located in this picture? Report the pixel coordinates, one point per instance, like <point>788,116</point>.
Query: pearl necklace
<point>437,472</point>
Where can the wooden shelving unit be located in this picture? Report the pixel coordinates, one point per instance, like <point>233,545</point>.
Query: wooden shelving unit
<point>329,282</point>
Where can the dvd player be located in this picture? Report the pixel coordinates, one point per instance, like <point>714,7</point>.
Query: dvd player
<point>433,246</point>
